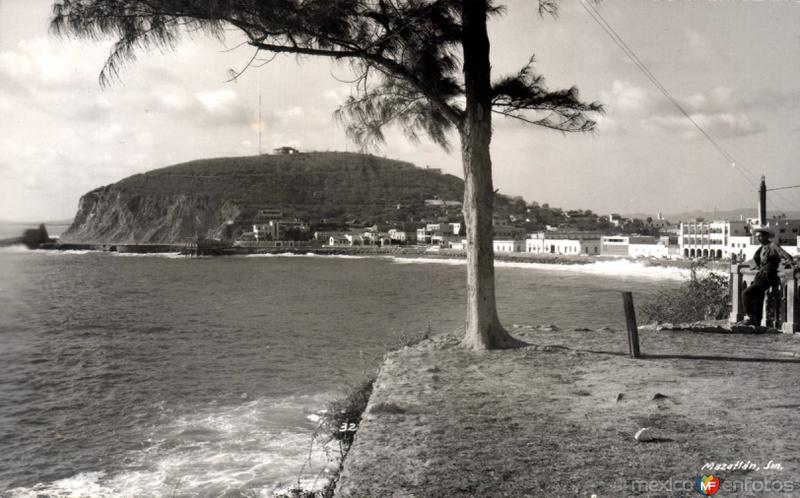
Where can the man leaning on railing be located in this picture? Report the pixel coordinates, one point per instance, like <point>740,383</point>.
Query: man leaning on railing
<point>767,260</point>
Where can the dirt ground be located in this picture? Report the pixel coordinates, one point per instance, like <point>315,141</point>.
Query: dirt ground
<point>558,418</point>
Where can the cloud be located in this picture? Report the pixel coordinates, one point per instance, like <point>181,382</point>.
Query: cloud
<point>720,125</point>
<point>337,95</point>
<point>627,98</point>
<point>222,107</point>
<point>38,62</point>
<point>718,99</point>
<point>719,111</point>
<point>302,117</point>
<point>216,100</point>
<point>172,101</point>
<point>207,108</point>
<point>772,100</point>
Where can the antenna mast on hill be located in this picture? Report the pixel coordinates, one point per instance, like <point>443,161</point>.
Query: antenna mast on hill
<point>258,125</point>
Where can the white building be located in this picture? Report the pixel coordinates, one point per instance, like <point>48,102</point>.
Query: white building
<point>574,242</point>
<point>460,245</point>
<point>710,239</point>
<point>402,236</point>
<point>615,219</point>
<point>648,249</point>
<point>440,228</point>
<point>423,236</point>
<point>338,240</point>
<point>614,245</point>
<point>742,247</point>
<point>509,245</point>
<point>276,229</point>
<point>354,239</point>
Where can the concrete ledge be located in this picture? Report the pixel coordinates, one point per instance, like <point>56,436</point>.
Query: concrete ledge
<point>558,418</point>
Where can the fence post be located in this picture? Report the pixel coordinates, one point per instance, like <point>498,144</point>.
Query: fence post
<point>737,307</point>
<point>791,322</point>
<point>630,320</point>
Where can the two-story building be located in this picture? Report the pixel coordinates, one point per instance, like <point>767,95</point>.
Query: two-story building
<point>710,239</point>
<point>402,236</point>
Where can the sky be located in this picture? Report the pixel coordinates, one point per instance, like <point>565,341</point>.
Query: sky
<point>734,67</point>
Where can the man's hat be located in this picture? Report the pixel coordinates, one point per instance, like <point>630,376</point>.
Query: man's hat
<point>765,230</point>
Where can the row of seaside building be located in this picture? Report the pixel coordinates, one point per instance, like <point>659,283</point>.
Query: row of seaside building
<point>719,239</point>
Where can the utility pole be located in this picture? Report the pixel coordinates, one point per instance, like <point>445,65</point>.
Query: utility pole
<point>762,203</point>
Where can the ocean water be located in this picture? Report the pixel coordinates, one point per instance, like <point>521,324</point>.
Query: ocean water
<point>154,375</point>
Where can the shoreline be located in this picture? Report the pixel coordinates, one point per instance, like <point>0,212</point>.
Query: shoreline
<point>396,251</point>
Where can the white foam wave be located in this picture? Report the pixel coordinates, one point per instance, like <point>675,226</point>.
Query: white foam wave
<point>83,484</point>
<point>252,449</point>
<point>307,255</point>
<point>611,268</point>
<point>167,255</point>
<point>20,249</point>
<point>16,248</point>
<point>437,261</point>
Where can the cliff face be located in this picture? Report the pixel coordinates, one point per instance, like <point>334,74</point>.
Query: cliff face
<point>108,214</point>
<point>218,198</point>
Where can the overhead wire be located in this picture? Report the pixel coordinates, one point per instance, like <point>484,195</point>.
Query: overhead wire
<point>617,39</point>
<point>782,188</point>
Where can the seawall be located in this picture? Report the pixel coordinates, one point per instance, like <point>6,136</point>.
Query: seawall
<point>559,418</point>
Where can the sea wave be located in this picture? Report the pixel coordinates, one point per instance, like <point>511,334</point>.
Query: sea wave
<point>167,255</point>
<point>252,449</point>
<point>16,248</point>
<point>20,249</point>
<point>306,255</point>
<point>619,268</point>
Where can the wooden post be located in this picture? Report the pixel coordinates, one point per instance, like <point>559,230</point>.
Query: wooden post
<point>630,320</point>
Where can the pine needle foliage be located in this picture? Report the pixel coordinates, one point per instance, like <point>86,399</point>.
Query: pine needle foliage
<point>404,53</point>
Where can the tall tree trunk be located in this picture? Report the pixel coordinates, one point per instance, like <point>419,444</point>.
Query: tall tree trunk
<point>483,328</point>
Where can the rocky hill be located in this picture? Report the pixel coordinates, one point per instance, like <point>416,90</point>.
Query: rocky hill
<point>220,197</point>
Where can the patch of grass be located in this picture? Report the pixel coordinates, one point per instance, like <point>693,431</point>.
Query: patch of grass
<point>405,339</point>
<point>344,414</point>
<point>387,408</point>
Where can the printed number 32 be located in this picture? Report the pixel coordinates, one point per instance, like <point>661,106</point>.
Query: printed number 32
<point>348,427</point>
